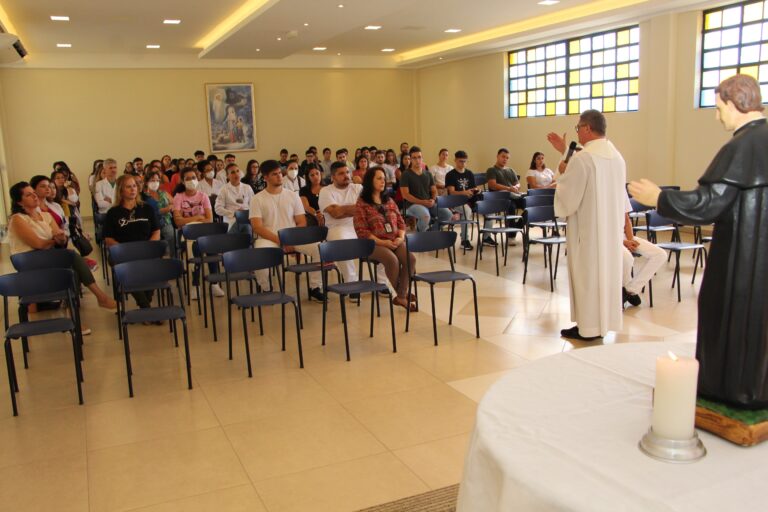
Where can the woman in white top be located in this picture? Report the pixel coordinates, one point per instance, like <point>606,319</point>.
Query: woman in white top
<point>440,169</point>
<point>30,229</point>
<point>539,176</point>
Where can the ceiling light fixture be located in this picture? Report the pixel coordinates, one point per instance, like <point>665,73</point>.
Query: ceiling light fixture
<point>306,24</point>
<point>340,6</point>
<point>279,38</point>
<point>452,30</point>
<point>372,27</point>
<point>549,2</point>
<point>59,18</point>
<point>258,49</point>
<point>388,50</point>
<point>64,45</point>
<point>319,48</point>
<point>339,54</point>
<point>153,46</point>
<point>171,22</point>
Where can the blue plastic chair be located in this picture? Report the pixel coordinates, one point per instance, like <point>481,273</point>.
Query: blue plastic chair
<point>145,274</point>
<point>534,216</point>
<point>243,220</point>
<point>539,200</point>
<point>346,250</point>
<point>134,251</point>
<point>192,232</point>
<point>541,192</point>
<point>216,245</point>
<point>247,261</point>
<point>493,209</point>
<point>434,241</point>
<point>37,260</point>
<point>655,223</point>
<point>31,284</point>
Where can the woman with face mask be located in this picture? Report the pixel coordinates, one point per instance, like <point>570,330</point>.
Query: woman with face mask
<point>161,202</point>
<point>208,185</point>
<point>192,205</point>
<point>293,181</point>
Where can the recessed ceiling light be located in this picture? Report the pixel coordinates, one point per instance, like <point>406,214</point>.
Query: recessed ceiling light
<point>319,48</point>
<point>387,50</point>
<point>171,22</point>
<point>306,24</point>
<point>339,54</point>
<point>279,38</point>
<point>549,2</point>
<point>258,49</point>
<point>340,6</point>
<point>153,46</point>
<point>372,27</point>
<point>64,45</point>
<point>59,18</point>
<point>439,58</point>
<point>452,30</point>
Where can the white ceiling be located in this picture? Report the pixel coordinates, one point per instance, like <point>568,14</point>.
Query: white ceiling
<point>107,31</point>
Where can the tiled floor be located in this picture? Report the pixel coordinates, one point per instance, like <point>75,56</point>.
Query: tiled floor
<point>334,436</point>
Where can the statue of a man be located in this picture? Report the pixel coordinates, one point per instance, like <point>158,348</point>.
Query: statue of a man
<point>732,346</point>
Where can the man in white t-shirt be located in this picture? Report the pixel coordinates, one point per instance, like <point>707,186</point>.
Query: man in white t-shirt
<point>337,202</point>
<point>232,197</point>
<point>104,190</point>
<point>276,208</point>
<point>440,169</point>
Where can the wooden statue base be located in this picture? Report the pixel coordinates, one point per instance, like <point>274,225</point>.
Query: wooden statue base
<point>742,427</point>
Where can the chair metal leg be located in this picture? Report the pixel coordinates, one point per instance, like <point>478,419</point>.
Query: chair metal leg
<point>496,250</point>
<point>434,318</point>
<point>298,300</point>
<point>128,367</point>
<point>186,352</point>
<point>677,273</point>
<point>373,300</point>
<point>13,385</point>
<point>479,251</point>
<point>229,327</point>
<point>548,255</point>
<point>557,260</point>
<point>526,250</point>
<point>247,344</point>
<point>450,309</point>
<point>282,323</point>
<point>344,321</point>
<point>408,309</point>
<point>78,368</point>
<point>298,335</point>
<point>213,314</point>
<point>477,318</point>
<point>175,334</point>
<point>392,323</point>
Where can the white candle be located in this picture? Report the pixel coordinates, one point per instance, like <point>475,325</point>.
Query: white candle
<point>674,399</point>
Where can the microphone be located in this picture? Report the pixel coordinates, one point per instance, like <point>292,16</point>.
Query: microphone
<point>571,149</point>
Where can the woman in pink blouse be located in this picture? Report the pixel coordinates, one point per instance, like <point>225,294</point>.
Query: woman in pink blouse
<point>378,218</point>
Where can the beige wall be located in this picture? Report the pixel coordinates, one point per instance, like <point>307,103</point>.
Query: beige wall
<point>80,115</point>
<point>461,105</point>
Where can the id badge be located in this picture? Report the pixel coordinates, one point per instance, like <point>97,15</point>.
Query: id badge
<point>387,227</point>
<point>239,200</point>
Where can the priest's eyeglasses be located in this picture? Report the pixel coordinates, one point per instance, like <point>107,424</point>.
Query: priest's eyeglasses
<point>578,126</point>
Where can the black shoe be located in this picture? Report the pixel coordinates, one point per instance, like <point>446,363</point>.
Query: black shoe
<point>354,296</point>
<point>489,241</point>
<point>632,298</point>
<point>466,244</point>
<point>316,294</point>
<point>573,333</point>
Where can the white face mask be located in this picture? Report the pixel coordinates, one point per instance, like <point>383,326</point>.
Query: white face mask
<point>292,173</point>
<point>210,175</point>
<point>191,184</point>
<point>154,185</point>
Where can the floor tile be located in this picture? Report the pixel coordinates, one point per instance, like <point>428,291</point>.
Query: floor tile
<point>439,463</point>
<point>59,484</point>
<point>475,387</point>
<point>235,499</point>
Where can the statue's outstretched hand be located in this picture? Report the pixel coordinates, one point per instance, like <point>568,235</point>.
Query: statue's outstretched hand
<point>645,192</point>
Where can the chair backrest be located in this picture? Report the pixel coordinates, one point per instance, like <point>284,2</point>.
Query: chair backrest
<point>427,241</point>
<point>344,250</point>
<point>493,206</point>
<point>541,192</point>
<point>539,214</point>
<point>35,260</point>
<point>36,282</point>
<point>539,201</point>
<point>195,231</point>
<point>144,273</point>
<point>250,259</point>
<point>639,207</point>
<point>242,217</point>
<point>654,219</point>
<point>452,201</point>
<point>133,251</point>
<point>669,187</point>
<point>220,244</point>
<point>480,179</point>
<point>498,194</point>
<point>302,235</point>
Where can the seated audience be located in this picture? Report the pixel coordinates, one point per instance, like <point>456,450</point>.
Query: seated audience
<point>420,193</point>
<point>539,175</point>
<point>104,190</point>
<point>502,178</point>
<point>461,181</point>
<point>361,166</point>
<point>390,165</point>
<point>378,218</point>
<point>273,209</point>
<point>208,185</point>
<point>293,181</point>
<point>232,197</point>
<point>253,177</point>
<point>325,164</point>
<point>440,170</point>
<point>162,203</point>
<point>338,202</point>
<point>651,258</point>
<point>45,195</point>
<point>310,195</point>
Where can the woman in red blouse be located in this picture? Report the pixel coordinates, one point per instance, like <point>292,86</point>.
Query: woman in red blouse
<point>378,218</point>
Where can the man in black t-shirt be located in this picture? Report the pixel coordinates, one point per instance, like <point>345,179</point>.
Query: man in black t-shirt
<point>461,181</point>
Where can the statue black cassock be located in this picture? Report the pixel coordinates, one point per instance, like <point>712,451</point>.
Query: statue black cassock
<point>732,344</point>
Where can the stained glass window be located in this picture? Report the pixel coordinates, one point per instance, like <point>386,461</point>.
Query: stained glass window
<point>734,40</point>
<point>600,71</point>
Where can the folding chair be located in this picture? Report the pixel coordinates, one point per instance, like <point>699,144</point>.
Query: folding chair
<point>489,209</point>
<point>192,232</point>
<point>451,202</point>
<point>541,192</point>
<point>534,216</point>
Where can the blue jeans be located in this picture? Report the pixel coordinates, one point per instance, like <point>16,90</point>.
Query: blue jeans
<point>424,215</point>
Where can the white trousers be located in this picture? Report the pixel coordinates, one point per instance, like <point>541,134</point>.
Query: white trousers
<point>348,268</point>
<point>311,250</point>
<point>651,259</point>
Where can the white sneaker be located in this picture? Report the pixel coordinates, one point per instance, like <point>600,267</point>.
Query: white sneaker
<point>217,291</point>
<point>193,293</point>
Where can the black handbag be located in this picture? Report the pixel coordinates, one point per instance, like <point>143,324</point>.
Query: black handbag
<point>82,244</point>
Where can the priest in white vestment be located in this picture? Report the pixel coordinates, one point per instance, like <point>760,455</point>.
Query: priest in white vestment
<point>590,194</point>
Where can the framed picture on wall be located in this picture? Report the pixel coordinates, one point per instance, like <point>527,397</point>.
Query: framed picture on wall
<point>231,117</point>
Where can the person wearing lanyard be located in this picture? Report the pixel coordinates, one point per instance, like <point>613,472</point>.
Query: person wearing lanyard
<point>232,197</point>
